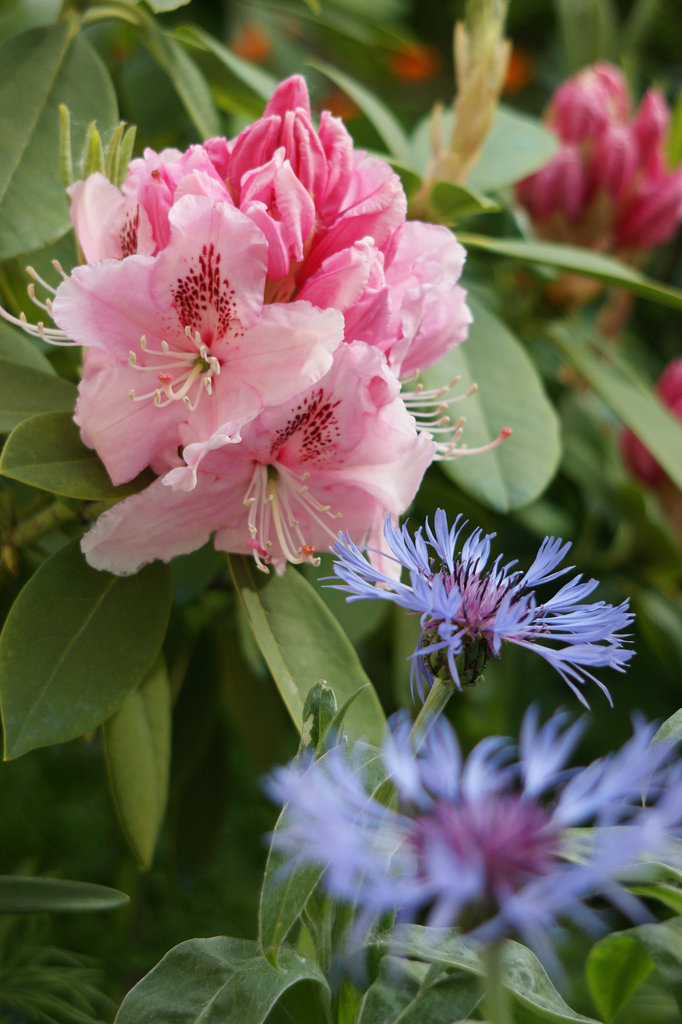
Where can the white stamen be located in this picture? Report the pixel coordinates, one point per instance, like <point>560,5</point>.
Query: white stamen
<point>197,367</point>
<point>426,406</point>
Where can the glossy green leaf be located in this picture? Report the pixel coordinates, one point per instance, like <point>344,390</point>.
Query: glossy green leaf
<point>187,79</point>
<point>215,981</point>
<point>46,452</point>
<point>99,635</point>
<point>510,393</point>
<point>55,895</point>
<point>161,6</point>
<point>285,893</point>
<point>302,643</point>
<point>577,261</point>
<point>451,202</point>
<point>259,81</point>
<point>524,975</point>
<point>615,968</point>
<point>26,392</point>
<point>402,994</point>
<point>16,348</point>
<point>382,118</point>
<point>628,394</point>
<point>137,742</point>
<point>39,70</point>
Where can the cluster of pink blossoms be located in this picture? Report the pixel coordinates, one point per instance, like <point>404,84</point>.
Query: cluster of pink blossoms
<point>248,309</point>
<point>608,187</point>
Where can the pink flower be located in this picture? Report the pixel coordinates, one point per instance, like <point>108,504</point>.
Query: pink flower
<point>638,459</point>
<point>343,452</point>
<point>607,188</point>
<point>183,333</point>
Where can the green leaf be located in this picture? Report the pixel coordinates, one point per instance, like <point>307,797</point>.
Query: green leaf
<point>47,452</point>
<point>260,82</point>
<point>137,742</point>
<point>615,969</point>
<point>403,994</point>
<point>187,79</point>
<point>285,892</point>
<point>25,392</point>
<point>16,348</point>
<point>162,6</point>
<point>99,635</point>
<point>577,261</point>
<point>39,70</point>
<point>382,118</point>
<point>671,729</point>
<point>55,895</point>
<point>215,981</point>
<point>524,975</point>
<point>451,202</point>
<point>510,393</point>
<point>21,15</point>
<point>633,401</point>
<point>302,643</point>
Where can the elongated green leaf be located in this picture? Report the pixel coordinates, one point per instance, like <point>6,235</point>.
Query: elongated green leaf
<point>302,642</point>
<point>524,975</point>
<point>260,82</point>
<point>671,729</point>
<point>161,6</point>
<point>25,392</point>
<point>285,892</point>
<point>509,393</point>
<point>16,348</point>
<point>578,261</point>
<point>618,384</point>
<point>187,79</point>
<point>137,741</point>
<point>615,968</point>
<point>215,981</point>
<point>98,636</point>
<point>39,70</point>
<point>55,895</point>
<point>46,452</point>
<point>383,119</point>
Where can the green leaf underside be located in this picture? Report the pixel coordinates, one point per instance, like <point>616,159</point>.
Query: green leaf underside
<point>578,261</point>
<point>524,975</point>
<point>39,70</point>
<point>510,394</point>
<point>137,742</point>
<point>671,729</point>
<point>403,994</point>
<point>99,635</point>
<point>617,383</point>
<point>26,392</point>
<point>52,895</point>
<point>46,451</point>
<point>302,643</point>
<point>215,981</point>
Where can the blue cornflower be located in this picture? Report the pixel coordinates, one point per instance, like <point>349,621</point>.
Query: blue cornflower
<point>470,610</point>
<point>485,843</point>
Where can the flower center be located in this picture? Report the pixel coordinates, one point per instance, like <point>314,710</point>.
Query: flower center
<point>183,378</point>
<point>273,497</point>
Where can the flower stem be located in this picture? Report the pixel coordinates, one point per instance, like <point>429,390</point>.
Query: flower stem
<point>496,1003</point>
<point>437,697</point>
<point>30,530</point>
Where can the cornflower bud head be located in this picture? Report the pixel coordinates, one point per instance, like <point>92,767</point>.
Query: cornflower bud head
<point>483,842</point>
<point>638,459</point>
<point>470,609</point>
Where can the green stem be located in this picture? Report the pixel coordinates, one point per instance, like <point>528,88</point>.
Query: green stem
<point>496,1004</point>
<point>437,697</point>
<point>30,530</point>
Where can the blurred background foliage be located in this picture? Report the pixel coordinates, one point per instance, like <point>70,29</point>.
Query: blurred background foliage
<point>229,725</point>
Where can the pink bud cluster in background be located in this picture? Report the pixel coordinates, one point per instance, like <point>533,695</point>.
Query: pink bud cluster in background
<point>608,187</point>
<point>248,309</point>
<point>638,459</point>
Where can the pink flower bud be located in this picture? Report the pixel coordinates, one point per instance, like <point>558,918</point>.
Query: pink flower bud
<point>653,215</point>
<point>613,162</point>
<point>638,459</point>
<point>560,186</point>
<point>649,128</point>
<point>585,103</point>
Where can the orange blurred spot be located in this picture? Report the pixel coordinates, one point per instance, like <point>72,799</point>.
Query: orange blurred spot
<point>251,42</point>
<point>415,62</point>
<point>339,104</point>
<point>519,71</point>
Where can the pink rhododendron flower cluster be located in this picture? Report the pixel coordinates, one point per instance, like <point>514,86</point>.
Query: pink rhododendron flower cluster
<point>608,187</point>
<point>248,309</point>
